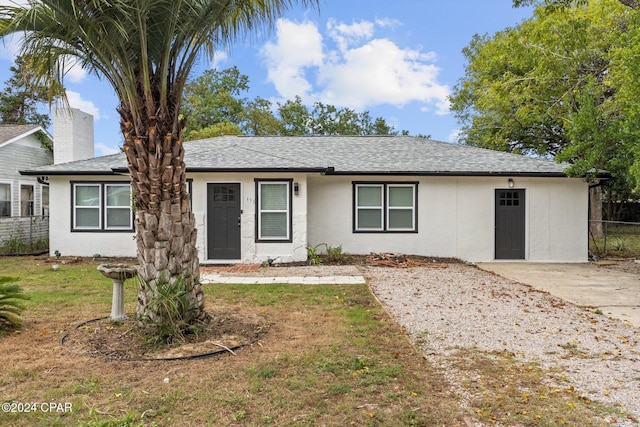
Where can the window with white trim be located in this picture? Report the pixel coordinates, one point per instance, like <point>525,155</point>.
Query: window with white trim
<point>5,199</point>
<point>101,207</point>
<point>27,201</point>
<point>118,207</point>
<point>273,211</point>
<point>385,207</point>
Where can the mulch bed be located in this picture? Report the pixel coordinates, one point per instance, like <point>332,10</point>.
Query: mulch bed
<point>128,340</point>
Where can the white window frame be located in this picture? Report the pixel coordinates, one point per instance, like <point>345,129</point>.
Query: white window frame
<point>385,207</point>
<point>259,211</point>
<point>359,208</point>
<point>44,209</point>
<point>75,207</point>
<point>10,199</point>
<point>401,208</point>
<point>33,200</point>
<point>101,207</point>
<point>107,207</point>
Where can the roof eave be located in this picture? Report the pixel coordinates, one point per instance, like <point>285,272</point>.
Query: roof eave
<point>67,172</point>
<point>452,173</point>
<point>259,170</point>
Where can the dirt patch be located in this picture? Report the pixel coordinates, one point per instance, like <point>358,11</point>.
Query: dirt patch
<point>225,331</point>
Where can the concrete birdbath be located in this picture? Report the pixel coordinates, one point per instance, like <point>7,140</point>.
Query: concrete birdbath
<point>118,273</point>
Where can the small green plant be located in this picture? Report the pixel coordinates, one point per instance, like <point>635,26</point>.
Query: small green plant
<point>618,244</point>
<point>174,313</point>
<point>335,254</point>
<point>11,302</point>
<point>313,255</point>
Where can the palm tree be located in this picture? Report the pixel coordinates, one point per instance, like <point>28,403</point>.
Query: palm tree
<point>146,50</point>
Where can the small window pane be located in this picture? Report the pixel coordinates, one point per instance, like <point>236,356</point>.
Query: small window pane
<point>401,219</point>
<point>118,195</point>
<point>400,196</point>
<point>273,225</point>
<point>5,192</point>
<point>370,196</point>
<point>87,217</point>
<point>87,195</point>
<point>5,200</point>
<point>45,200</point>
<point>370,218</point>
<point>118,217</point>
<point>273,196</point>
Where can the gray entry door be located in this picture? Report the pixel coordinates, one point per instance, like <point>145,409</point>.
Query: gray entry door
<point>223,221</point>
<point>510,224</point>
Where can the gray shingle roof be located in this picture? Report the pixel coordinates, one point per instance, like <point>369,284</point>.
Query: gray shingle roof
<point>344,154</point>
<point>8,132</point>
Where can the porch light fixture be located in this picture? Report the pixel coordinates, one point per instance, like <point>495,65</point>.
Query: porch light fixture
<point>296,188</point>
<point>511,183</point>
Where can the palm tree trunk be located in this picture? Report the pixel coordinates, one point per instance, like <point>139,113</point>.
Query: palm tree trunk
<point>165,225</point>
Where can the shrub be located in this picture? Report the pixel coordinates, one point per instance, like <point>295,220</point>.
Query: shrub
<point>335,254</point>
<point>175,314</point>
<point>11,302</point>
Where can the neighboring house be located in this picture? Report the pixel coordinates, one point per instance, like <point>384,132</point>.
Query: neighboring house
<point>24,200</point>
<point>21,148</point>
<point>256,198</point>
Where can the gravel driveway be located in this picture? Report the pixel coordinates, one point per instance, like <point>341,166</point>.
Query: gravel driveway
<point>464,306</point>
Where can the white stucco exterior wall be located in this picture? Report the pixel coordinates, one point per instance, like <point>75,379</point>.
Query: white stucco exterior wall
<point>252,251</point>
<point>456,218</point>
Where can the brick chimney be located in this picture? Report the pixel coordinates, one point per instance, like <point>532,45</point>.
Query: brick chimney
<point>72,135</point>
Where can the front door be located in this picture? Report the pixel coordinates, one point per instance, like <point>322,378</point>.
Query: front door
<point>223,221</point>
<point>510,224</point>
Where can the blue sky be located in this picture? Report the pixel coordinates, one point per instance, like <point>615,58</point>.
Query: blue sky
<point>398,60</point>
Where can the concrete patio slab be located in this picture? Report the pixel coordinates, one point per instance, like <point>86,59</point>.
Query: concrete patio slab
<point>207,278</point>
<point>615,293</point>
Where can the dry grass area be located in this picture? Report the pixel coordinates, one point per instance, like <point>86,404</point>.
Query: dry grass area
<point>332,356</point>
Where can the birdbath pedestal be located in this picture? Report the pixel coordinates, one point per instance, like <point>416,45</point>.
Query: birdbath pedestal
<point>118,273</point>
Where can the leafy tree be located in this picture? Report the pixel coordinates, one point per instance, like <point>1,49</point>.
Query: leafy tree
<point>545,88</point>
<point>146,50</point>
<point>294,117</point>
<point>213,105</point>
<point>259,119</point>
<point>325,119</point>
<point>634,4</point>
<point>215,130</point>
<point>20,97</point>
<point>213,98</point>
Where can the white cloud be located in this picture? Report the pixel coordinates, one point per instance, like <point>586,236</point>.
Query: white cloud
<point>104,149</point>
<point>347,35</point>
<point>73,71</point>
<point>362,71</point>
<point>76,101</point>
<point>219,58</point>
<point>297,47</point>
<point>10,47</point>
<point>454,136</point>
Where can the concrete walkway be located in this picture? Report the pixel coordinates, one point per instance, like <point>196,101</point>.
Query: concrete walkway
<point>615,293</point>
<point>207,278</point>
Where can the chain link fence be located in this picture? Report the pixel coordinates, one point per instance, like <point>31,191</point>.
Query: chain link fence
<point>24,235</point>
<point>614,238</point>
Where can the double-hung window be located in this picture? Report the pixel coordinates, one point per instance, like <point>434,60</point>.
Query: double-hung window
<point>385,207</point>
<point>273,210</point>
<point>101,206</point>
<point>5,199</point>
